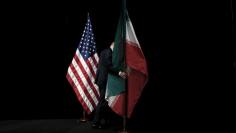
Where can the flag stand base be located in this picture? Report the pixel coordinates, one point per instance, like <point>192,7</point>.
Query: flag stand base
<point>83,120</point>
<point>124,131</point>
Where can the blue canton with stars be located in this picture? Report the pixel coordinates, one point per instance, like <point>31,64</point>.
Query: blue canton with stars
<point>87,46</point>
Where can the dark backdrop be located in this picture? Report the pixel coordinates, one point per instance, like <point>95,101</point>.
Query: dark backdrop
<point>185,44</point>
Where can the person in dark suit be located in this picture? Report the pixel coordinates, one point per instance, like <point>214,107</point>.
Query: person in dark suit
<point>104,67</point>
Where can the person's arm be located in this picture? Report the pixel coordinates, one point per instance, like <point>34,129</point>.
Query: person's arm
<point>107,56</point>
<point>106,59</point>
<point>115,71</point>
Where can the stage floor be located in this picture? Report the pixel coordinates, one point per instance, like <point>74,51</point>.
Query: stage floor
<point>53,126</point>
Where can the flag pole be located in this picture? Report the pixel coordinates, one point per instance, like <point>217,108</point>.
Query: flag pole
<point>83,119</point>
<point>125,66</point>
<point>125,109</point>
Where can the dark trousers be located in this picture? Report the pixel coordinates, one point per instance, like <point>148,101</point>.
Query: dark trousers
<point>101,114</point>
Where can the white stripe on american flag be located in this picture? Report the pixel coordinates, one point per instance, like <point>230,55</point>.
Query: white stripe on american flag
<point>86,75</point>
<point>83,86</point>
<point>85,106</point>
<point>82,94</point>
<point>96,57</point>
<point>86,68</point>
<point>95,62</point>
<point>92,64</point>
<point>82,77</point>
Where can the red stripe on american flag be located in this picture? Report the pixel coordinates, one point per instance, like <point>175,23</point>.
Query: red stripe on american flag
<point>85,106</point>
<point>82,86</point>
<point>94,61</point>
<point>90,68</point>
<point>86,76</point>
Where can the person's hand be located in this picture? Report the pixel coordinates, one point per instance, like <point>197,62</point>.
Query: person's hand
<point>122,75</point>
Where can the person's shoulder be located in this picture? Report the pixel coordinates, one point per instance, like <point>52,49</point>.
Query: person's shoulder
<point>105,51</point>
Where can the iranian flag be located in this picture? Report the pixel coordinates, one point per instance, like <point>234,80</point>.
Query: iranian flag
<point>127,56</point>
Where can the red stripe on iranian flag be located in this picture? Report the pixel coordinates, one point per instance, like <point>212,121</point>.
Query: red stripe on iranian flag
<point>136,62</point>
<point>117,103</point>
<point>135,58</point>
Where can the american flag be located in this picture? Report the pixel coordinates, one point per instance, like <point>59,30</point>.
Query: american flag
<point>82,70</point>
